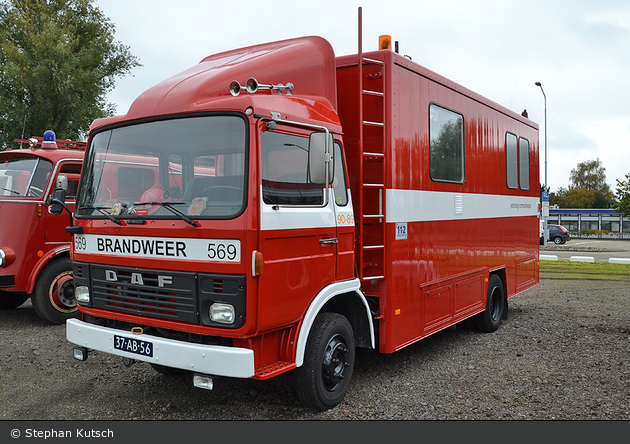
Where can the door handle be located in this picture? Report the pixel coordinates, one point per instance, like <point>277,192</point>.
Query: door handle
<point>332,240</point>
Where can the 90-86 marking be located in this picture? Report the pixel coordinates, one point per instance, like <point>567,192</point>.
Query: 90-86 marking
<point>345,219</point>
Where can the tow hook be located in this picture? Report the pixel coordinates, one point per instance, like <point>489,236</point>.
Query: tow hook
<point>128,362</point>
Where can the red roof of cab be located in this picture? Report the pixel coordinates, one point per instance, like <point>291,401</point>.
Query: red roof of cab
<point>307,62</point>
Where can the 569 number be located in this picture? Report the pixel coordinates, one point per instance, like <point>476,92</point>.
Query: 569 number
<point>222,252</point>
<point>80,243</point>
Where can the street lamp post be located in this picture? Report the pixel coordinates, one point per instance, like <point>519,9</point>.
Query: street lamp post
<point>546,235</point>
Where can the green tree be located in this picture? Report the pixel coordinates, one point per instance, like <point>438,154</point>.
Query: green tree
<point>588,188</point>
<point>622,205</point>
<point>559,197</point>
<point>590,174</point>
<point>58,61</point>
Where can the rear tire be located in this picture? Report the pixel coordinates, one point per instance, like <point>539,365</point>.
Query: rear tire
<point>323,379</point>
<point>53,298</point>
<point>10,300</point>
<point>490,319</point>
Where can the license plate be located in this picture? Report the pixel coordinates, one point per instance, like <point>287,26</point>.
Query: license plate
<point>133,345</point>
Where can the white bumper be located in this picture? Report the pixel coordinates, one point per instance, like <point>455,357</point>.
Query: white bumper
<point>207,359</point>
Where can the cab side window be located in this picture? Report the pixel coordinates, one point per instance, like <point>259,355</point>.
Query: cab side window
<point>285,178</point>
<point>73,172</point>
<point>339,183</point>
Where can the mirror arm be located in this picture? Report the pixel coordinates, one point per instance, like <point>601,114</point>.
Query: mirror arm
<point>54,200</point>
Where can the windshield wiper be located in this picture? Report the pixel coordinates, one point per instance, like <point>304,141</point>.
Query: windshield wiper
<point>100,210</point>
<point>11,191</point>
<point>177,213</point>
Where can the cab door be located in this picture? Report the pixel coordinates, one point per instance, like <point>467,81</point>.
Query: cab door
<point>298,234</point>
<point>56,224</point>
<point>344,218</point>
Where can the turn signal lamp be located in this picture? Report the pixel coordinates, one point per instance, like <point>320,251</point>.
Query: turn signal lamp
<point>385,42</point>
<point>257,263</point>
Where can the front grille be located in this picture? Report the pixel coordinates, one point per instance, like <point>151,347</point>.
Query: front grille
<point>152,293</point>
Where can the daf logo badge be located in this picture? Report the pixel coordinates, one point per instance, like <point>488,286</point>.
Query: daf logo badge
<point>136,278</point>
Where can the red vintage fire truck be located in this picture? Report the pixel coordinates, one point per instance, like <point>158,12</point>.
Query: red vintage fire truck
<point>355,201</point>
<point>34,246</point>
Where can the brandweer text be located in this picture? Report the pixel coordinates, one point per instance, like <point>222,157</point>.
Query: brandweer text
<point>146,247</point>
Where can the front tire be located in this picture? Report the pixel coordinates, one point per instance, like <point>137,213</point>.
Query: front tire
<point>323,379</point>
<point>53,298</point>
<point>490,319</point>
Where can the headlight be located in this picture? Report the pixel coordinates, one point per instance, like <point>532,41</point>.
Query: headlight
<point>2,257</point>
<point>223,313</point>
<point>82,294</point>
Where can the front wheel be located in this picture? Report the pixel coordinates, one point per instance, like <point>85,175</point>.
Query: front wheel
<point>489,320</point>
<point>323,379</point>
<point>53,297</point>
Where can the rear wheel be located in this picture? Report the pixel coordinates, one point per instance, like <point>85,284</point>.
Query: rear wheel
<point>489,320</point>
<point>323,379</point>
<point>10,300</point>
<point>53,297</point>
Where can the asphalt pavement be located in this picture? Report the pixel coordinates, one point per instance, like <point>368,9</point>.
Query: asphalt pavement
<point>588,250</point>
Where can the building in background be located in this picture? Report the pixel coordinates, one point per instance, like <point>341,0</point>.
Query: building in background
<point>603,224</point>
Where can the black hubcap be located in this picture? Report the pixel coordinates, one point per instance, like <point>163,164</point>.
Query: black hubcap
<point>334,363</point>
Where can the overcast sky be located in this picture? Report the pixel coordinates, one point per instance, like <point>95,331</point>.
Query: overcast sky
<point>578,49</point>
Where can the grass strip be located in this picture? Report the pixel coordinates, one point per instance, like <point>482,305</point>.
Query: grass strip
<point>584,270</point>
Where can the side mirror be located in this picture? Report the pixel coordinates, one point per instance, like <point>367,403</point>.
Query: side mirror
<point>62,182</point>
<point>57,201</point>
<point>320,158</point>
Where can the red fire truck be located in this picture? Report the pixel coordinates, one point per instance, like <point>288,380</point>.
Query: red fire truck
<point>365,201</point>
<point>34,246</point>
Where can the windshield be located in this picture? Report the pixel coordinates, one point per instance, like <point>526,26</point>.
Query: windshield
<point>24,177</point>
<point>186,168</point>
